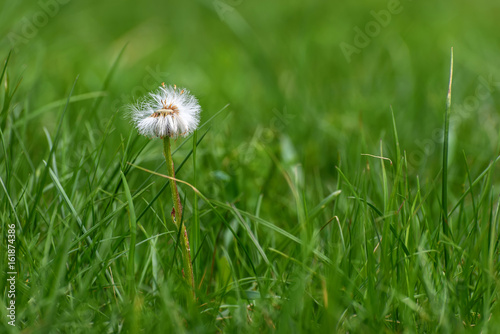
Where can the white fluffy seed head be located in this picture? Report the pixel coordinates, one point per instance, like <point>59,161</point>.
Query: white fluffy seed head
<point>168,111</point>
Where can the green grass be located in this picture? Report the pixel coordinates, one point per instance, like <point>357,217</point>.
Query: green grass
<point>321,195</point>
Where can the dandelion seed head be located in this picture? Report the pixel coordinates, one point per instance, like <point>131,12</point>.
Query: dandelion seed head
<point>166,112</point>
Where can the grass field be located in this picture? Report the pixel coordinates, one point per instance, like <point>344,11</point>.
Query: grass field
<point>333,195</point>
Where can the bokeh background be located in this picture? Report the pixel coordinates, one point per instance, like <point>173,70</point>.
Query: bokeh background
<point>291,83</point>
<point>279,65</point>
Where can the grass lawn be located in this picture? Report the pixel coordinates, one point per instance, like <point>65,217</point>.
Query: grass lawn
<point>337,182</point>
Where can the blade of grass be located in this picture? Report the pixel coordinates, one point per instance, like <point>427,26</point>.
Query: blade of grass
<point>322,205</point>
<point>58,103</point>
<point>133,233</point>
<point>250,234</point>
<point>5,63</point>
<point>109,76</point>
<point>70,205</point>
<point>41,182</point>
<point>196,219</point>
<point>444,190</point>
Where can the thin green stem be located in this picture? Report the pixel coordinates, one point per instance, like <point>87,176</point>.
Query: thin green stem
<point>444,190</point>
<point>177,215</point>
<point>133,234</point>
<point>196,221</point>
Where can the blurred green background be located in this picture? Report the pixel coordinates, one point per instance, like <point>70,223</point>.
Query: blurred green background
<point>289,95</point>
<point>279,60</point>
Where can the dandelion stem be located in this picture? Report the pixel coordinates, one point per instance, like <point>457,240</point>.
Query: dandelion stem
<point>177,215</point>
